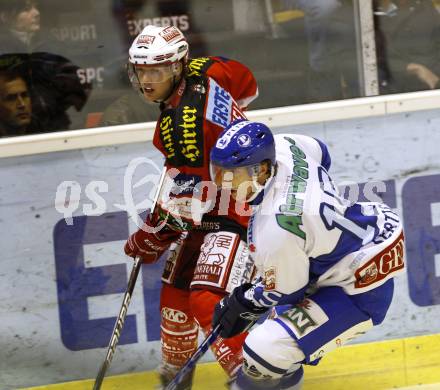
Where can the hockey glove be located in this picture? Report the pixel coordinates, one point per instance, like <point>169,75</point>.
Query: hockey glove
<point>149,244</point>
<point>171,215</point>
<point>235,313</point>
<point>183,213</point>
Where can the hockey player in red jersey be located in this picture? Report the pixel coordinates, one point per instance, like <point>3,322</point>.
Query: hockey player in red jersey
<point>207,258</point>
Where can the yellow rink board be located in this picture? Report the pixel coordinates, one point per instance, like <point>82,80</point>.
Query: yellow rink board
<point>372,366</point>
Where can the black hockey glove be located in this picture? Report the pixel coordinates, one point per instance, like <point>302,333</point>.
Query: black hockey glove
<point>235,313</point>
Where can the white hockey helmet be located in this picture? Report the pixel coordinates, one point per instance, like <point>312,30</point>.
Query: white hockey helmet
<point>155,56</point>
<point>158,46</point>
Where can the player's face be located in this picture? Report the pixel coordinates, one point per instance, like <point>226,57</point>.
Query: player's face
<point>28,20</point>
<point>157,82</point>
<point>238,180</point>
<point>15,103</point>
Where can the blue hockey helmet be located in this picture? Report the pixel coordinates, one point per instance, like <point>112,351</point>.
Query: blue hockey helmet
<point>243,144</point>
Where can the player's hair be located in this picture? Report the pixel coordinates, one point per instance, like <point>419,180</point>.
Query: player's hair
<point>270,165</point>
<point>11,74</point>
<point>10,8</point>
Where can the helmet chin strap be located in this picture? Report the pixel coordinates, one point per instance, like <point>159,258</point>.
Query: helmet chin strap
<point>173,88</point>
<point>176,81</point>
<point>257,186</point>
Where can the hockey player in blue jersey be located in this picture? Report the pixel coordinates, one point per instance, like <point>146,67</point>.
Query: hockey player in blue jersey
<point>326,265</point>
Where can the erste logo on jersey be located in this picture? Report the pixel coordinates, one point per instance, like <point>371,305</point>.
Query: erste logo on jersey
<point>225,139</point>
<point>222,109</point>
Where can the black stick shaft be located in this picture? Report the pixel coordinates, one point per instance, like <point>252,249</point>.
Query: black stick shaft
<point>127,298</point>
<point>119,324</point>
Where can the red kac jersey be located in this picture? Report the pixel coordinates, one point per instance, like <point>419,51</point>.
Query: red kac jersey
<point>211,95</point>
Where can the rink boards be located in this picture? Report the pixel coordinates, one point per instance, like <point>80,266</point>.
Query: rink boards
<point>381,365</point>
<point>64,216</point>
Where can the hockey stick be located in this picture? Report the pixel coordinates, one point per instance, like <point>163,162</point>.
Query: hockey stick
<point>126,301</point>
<point>192,361</point>
<point>119,324</point>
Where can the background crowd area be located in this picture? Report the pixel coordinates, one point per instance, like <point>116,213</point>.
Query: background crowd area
<point>62,64</point>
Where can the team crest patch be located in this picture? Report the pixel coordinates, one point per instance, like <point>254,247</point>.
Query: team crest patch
<point>270,279</point>
<point>145,40</point>
<point>224,141</point>
<point>170,33</point>
<point>244,140</point>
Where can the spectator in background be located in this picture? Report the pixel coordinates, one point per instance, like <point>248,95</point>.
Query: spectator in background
<point>54,84</point>
<point>15,104</point>
<point>317,24</point>
<point>407,44</point>
<point>330,34</point>
<point>128,108</point>
<point>20,30</point>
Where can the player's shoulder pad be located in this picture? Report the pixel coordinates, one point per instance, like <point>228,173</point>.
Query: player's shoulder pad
<point>310,146</point>
<point>197,67</point>
<point>221,108</point>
